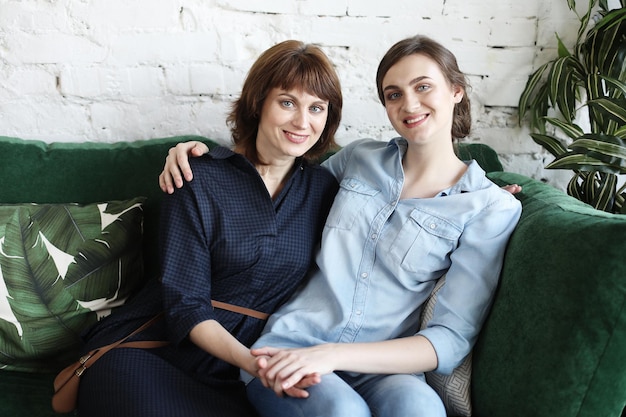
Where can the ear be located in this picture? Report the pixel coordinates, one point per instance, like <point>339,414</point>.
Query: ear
<point>457,93</point>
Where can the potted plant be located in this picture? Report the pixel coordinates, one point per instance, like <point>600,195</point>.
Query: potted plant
<point>575,106</point>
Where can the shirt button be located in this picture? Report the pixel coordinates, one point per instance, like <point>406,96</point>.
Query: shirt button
<point>364,275</point>
<point>358,312</point>
<point>433,226</point>
<point>374,236</point>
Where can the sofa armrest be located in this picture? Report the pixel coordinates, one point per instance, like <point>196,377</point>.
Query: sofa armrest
<point>554,343</point>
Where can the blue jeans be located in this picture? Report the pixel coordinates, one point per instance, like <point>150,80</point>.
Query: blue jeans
<point>399,395</point>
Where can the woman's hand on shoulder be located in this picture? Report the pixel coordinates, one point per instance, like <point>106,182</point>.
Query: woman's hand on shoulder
<point>177,164</point>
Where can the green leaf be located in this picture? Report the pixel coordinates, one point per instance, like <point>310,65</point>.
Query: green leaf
<point>616,85</point>
<point>604,47</point>
<point>611,155</point>
<point>604,195</point>
<point>584,21</point>
<point>551,143</point>
<point>532,83</point>
<point>58,263</point>
<point>609,149</point>
<point>564,81</point>
<point>612,108</point>
<point>573,188</point>
<point>33,282</point>
<point>111,254</point>
<point>572,130</point>
<point>561,48</point>
<point>621,132</point>
<point>579,162</point>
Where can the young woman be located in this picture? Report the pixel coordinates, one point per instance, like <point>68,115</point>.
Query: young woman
<point>243,232</point>
<point>407,212</point>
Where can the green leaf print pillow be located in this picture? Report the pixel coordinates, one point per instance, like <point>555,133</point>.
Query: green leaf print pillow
<point>62,268</point>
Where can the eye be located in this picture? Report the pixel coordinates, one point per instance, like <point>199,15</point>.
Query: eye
<point>423,87</point>
<point>393,96</point>
<point>287,103</point>
<point>317,109</point>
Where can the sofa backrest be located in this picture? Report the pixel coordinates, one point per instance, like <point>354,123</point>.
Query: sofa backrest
<point>35,172</point>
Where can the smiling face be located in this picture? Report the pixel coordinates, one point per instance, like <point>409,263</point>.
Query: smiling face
<point>419,100</point>
<point>291,122</point>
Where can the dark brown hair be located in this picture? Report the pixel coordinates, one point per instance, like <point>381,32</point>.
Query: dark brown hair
<point>462,118</point>
<point>287,65</point>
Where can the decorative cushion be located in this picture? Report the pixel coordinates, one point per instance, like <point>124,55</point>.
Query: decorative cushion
<point>62,267</point>
<point>454,389</point>
<point>554,343</point>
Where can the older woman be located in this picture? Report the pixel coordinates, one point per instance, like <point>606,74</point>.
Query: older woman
<point>242,234</point>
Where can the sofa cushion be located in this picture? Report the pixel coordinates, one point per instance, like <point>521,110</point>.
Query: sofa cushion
<point>33,171</point>
<point>555,341</point>
<point>62,267</point>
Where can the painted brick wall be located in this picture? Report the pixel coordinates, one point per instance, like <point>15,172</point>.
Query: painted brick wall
<point>120,70</point>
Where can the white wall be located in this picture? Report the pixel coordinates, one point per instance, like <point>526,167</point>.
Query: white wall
<point>120,70</point>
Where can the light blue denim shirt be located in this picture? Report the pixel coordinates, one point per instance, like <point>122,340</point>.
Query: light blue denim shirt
<point>381,257</point>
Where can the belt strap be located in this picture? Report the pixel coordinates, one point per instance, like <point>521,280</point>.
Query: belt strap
<point>241,310</point>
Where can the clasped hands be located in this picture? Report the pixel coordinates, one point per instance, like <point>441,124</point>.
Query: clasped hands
<point>291,371</point>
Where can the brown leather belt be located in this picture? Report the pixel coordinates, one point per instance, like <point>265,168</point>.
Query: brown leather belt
<point>241,310</point>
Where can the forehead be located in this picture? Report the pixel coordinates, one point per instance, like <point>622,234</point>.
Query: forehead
<point>412,67</point>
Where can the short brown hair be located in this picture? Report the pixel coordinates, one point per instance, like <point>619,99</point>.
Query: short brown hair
<point>287,65</point>
<point>462,118</point>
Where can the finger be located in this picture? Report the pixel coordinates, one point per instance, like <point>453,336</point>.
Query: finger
<point>512,188</point>
<point>162,183</point>
<point>199,149</point>
<point>285,374</point>
<point>183,151</point>
<point>165,180</point>
<point>261,362</point>
<point>309,381</point>
<point>296,392</point>
<point>264,351</point>
<point>181,169</point>
<point>292,379</point>
<point>276,373</point>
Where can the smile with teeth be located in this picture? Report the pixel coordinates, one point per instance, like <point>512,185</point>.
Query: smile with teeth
<point>295,138</point>
<point>415,120</point>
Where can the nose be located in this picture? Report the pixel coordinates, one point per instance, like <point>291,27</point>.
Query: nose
<point>411,103</point>
<point>301,119</point>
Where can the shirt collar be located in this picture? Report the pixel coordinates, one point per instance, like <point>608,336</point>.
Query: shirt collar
<point>471,180</point>
<point>222,152</point>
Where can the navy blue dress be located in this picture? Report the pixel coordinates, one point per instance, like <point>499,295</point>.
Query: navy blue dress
<point>222,237</point>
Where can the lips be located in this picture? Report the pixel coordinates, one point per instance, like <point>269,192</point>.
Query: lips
<point>292,137</point>
<point>416,120</point>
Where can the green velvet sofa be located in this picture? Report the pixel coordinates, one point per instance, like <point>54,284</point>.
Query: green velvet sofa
<point>554,344</point>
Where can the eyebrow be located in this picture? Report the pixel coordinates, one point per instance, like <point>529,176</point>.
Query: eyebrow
<point>294,98</point>
<point>412,82</point>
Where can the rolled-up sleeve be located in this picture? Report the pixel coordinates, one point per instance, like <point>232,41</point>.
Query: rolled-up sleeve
<point>471,281</point>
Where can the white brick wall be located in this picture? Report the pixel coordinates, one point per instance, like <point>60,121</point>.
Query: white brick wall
<point>120,70</point>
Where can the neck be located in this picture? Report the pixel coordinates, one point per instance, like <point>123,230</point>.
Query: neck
<point>429,171</point>
<point>275,174</point>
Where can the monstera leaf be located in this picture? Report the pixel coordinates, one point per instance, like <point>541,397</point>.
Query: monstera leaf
<point>62,267</point>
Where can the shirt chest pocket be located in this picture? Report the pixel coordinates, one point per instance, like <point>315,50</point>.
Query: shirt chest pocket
<point>351,200</point>
<point>424,243</point>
